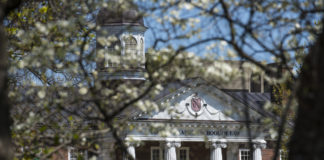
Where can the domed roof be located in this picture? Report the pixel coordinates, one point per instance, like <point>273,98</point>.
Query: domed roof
<point>115,15</point>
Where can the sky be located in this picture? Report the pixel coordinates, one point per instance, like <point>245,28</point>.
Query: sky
<point>267,35</point>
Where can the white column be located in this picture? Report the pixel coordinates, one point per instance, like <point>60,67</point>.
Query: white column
<point>216,149</point>
<point>258,145</point>
<point>131,150</point>
<point>170,150</point>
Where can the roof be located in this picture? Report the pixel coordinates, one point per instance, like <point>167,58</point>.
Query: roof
<point>255,100</point>
<point>114,14</point>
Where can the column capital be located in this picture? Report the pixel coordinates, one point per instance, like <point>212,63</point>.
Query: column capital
<point>218,143</point>
<point>259,144</point>
<point>169,144</point>
<point>132,143</point>
<point>170,149</point>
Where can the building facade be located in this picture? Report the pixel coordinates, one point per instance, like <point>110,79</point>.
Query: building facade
<point>202,122</point>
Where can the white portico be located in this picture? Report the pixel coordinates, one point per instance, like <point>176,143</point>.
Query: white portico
<point>200,122</point>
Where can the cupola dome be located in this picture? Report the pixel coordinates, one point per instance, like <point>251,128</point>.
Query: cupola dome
<point>114,14</point>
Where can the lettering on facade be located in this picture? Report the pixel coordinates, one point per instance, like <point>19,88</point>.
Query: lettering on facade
<point>209,133</point>
<point>186,132</point>
<point>203,132</point>
<point>222,133</point>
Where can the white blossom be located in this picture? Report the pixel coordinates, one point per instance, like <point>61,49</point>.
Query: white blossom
<point>41,94</point>
<point>83,90</point>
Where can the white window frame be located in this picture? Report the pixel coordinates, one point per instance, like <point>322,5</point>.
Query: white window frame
<point>240,150</point>
<point>69,153</point>
<point>85,154</point>
<point>280,151</point>
<point>187,152</point>
<point>160,152</point>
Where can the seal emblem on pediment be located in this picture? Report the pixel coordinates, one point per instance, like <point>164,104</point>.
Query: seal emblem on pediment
<point>196,105</point>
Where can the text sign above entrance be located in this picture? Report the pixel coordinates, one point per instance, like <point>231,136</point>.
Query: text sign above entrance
<point>189,132</point>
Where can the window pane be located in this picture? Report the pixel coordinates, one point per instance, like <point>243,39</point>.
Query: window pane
<point>183,154</point>
<point>163,154</point>
<point>245,155</point>
<point>283,155</point>
<point>73,154</point>
<point>155,154</point>
<point>130,45</point>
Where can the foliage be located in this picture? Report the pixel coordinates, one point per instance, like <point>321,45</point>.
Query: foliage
<point>55,84</point>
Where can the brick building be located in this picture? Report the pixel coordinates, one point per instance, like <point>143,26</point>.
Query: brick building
<point>205,122</point>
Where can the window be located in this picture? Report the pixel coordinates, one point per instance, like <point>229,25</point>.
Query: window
<point>183,153</point>
<point>283,155</point>
<point>157,153</point>
<point>113,57</point>
<point>111,51</point>
<point>255,83</point>
<point>244,154</point>
<point>130,46</point>
<point>74,154</point>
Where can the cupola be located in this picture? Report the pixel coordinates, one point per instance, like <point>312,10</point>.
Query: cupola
<point>120,42</point>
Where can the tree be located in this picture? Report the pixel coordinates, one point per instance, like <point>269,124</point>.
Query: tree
<point>5,121</point>
<point>52,62</point>
<point>310,107</point>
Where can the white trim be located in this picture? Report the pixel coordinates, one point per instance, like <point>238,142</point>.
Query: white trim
<point>186,139</point>
<point>280,154</point>
<point>226,99</point>
<point>243,149</point>
<point>187,152</point>
<point>69,153</point>
<point>84,154</point>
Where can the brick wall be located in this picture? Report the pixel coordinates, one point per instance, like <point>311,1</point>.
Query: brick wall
<point>143,152</point>
<point>267,154</point>
<point>197,150</point>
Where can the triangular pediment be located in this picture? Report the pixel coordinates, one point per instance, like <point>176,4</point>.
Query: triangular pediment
<point>201,102</point>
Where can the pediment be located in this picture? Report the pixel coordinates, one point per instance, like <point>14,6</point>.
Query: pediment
<point>201,102</point>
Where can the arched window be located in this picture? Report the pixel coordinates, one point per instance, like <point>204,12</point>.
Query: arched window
<point>255,83</point>
<point>114,45</point>
<point>113,56</point>
<point>130,46</point>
